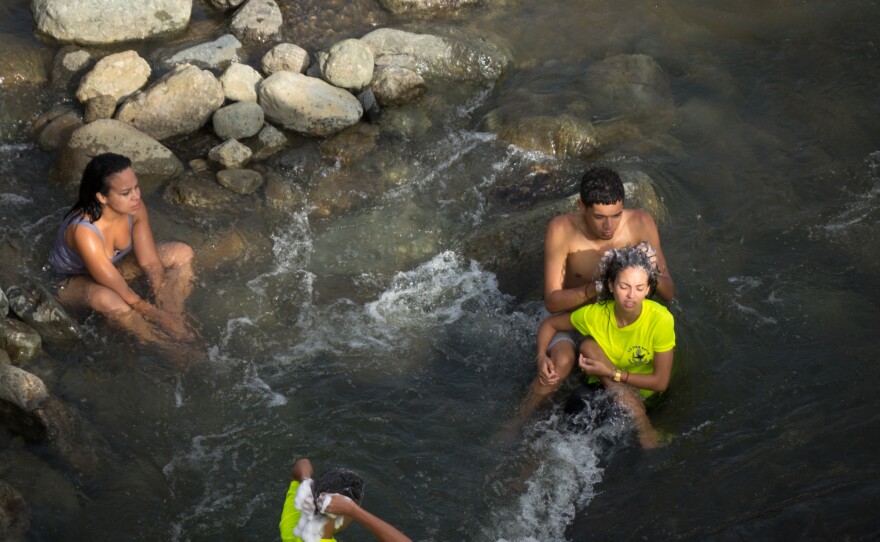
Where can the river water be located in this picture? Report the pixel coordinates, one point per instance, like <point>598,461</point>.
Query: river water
<point>371,341</point>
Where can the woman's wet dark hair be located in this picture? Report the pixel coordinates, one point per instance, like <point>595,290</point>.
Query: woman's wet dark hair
<point>96,179</point>
<point>342,481</point>
<point>615,261</point>
<point>601,185</point>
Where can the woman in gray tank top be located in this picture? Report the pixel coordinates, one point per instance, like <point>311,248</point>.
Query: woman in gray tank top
<point>106,237</point>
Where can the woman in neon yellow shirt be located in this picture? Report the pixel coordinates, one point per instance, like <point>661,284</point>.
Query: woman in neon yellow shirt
<point>629,339</point>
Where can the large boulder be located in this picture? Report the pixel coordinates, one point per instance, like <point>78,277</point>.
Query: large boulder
<point>564,136</point>
<point>182,101</point>
<point>461,55</point>
<point>308,105</point>
<point>118,75</point>
<point>152,161</point>
<point>634,86</point>
<point>348,64</point>
<point>97,22</point>
<point>217,54</point>
<point>257,21</point>
<point>22,62</point>
<point>20,341</point>
<point>39,309</point>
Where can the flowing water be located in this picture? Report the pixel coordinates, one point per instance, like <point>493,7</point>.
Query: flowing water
<point>371,341</point>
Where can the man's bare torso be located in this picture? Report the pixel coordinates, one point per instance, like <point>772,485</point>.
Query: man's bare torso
<point>584,253</point>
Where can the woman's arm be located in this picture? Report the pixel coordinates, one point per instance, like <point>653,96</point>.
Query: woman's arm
<point>145,248</point>
<point>91,249</point>
<point>382,530</point>
<point>594,362</point>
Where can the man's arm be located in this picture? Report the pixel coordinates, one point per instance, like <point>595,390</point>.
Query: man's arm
<point>382,530</point>
<point>648,232</point>
<point>557,298</point>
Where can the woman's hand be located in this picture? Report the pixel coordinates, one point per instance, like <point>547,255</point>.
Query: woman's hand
<point>595,367</point>
<point>546,370</point>
<point>339,505</point>
<point>173,325</point>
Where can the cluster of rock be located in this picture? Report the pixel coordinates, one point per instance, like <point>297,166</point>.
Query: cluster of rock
<point>252,110</point>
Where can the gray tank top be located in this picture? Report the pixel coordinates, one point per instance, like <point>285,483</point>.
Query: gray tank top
<point>66,261</point>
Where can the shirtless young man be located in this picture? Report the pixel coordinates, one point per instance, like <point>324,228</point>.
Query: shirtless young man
<point>573,246</point>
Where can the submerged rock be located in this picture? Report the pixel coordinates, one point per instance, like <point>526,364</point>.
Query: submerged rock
<point>39,309</point>
<point>182,101</point>
<point>152,161</point>
<point>18,340</point>
<point>393,85</point>
<point>99,22</point>
<point>240,181</point>
<point>404,6</point>
<point>14,520</point>
<point>564,136</point>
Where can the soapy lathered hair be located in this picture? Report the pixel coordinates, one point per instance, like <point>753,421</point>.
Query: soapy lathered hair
<point>342,481</point>
<point>615,261</point>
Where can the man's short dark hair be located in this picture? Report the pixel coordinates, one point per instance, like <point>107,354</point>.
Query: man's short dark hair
<point>342,481</point>
<point>601,185</point>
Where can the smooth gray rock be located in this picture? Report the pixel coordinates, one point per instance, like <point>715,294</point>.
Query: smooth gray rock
<point>347,64</point>
<point>307,105</point>
<point>180,102</point>
<point>240,83</point>
<point>216,55</point>
<point>257,21</point>
<point>285,57</point>
<point>240,181</point>
<point>230,154</point>
<point>238,121</point>
<point>100,22</point>
<point>39,309</point>
<point>18,340</point>
<point>152,161</point>
<point>119,75</point>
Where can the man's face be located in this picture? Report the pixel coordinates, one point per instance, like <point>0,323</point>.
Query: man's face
<point>602,220</point>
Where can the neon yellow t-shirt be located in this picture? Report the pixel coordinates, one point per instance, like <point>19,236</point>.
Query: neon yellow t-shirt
<point>290,517</point>
<point>630,348</point>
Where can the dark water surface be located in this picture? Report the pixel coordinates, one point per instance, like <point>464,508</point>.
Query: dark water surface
<point>370,341</point>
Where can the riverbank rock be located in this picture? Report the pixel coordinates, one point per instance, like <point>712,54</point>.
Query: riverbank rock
<point>99,22</point>
<point>152,161</point>
<point>238,121</point>
<point>240,83</point>
<point>347,64</point>
<point>4,304</point>
<point>53,128</point>
<point>20,341</point>
<point>307,105</point>
<point>14,520</point>
<point>22,62</point>
<point>28,409</point>
<point>285,57</point>
<point>257,21</point>
<point>178,103</point>
<point>196,192</point>
<point>269,141</point>
<point>216,55</point>
<point>119,75</point>
<point>404,6</point>
<point>226,4</point>
<point>460,56</point>
<point>39,309</point>
<point>231,154</point>
<point>69,63</point>
<point>393,85</point>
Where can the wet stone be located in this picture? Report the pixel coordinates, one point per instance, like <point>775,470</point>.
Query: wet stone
<point>18,340</point>
<point>41,311</point>
<point>240,181</point>
<point>230,154</point>
<point>100,107</point>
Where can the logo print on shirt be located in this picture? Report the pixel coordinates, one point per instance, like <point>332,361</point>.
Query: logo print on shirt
<point>639,355</point>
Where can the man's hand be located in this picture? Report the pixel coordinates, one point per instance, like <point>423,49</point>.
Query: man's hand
<point>547,371</point>
<point>649,251</point>
<point>338,505</point>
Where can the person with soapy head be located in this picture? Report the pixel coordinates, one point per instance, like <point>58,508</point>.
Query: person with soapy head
<point>316,509</point>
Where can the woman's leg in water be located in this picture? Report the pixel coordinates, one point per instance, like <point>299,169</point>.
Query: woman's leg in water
<point>177,258</point>
<point>81,292</point>
<point>627,397</point>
